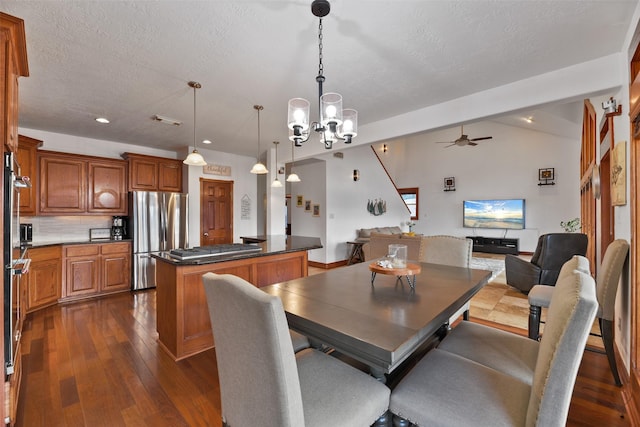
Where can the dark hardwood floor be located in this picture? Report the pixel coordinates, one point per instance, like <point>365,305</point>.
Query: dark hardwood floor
<point>98,363</point>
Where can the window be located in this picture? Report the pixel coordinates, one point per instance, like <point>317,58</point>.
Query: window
<point>410,197</point>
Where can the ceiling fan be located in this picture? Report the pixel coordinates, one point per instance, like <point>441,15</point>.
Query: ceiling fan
<point>464,140</point>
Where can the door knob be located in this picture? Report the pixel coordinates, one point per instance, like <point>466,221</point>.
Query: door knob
<point>206,234</point>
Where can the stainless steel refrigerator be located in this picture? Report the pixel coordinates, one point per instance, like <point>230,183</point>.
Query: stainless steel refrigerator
<point>157,222</point>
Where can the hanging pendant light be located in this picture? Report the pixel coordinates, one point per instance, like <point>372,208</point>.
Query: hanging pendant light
<point>335,123</point>
<point>276,182</point>
<point>293,177</point>
<point>194,158</point>
<point>259,168</point>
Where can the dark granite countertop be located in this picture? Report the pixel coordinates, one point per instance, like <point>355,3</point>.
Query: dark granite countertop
<point>271,245</point>
<point>81,242</point>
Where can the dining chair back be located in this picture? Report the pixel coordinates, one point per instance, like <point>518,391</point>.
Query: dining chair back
<point>262,381</point>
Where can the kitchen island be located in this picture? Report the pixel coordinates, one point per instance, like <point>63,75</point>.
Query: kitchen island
<point>184,328</point>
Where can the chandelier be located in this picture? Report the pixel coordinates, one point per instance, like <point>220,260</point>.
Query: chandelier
<point>335,124</point>
<point>276,182</point>
<point>194,158</point>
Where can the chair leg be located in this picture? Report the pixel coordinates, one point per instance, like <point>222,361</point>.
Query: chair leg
<point>534,321</point>
<point>465,315</point>
<point>606,328</point>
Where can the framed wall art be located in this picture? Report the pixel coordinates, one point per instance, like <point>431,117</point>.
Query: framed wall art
<point>316,210</point>
<point>618,174</point>
<point>307,205</point>
<point>299,200</point>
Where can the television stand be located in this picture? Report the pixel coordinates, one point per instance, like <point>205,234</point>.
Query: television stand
<point>495,245</point>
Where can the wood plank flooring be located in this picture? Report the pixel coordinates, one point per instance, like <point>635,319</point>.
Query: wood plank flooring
<point>98,363</point>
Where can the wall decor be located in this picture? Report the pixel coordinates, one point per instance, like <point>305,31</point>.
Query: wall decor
<point>316,210</point>
<point>450,184</point>
<point>546,176</point>
<point>245,208</point>
<point>376,207</point>
<point>217,170</point>
<point>307,205</point>
<point>356,175</point>
<point>299,200</point>
<point>618,174</point>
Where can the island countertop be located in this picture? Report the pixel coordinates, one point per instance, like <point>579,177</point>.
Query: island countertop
<point>271,245</point>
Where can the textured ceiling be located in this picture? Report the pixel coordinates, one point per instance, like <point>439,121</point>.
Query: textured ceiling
<point>130,60</point>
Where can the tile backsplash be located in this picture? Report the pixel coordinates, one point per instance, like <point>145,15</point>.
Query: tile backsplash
<point>64,229</point>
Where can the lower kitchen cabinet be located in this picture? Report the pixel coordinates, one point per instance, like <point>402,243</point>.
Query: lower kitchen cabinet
<point>96,269</point>
<point>44,280</point>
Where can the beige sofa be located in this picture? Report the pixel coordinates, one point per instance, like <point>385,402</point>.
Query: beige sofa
<point>364,234</point>
<point>378,245</point>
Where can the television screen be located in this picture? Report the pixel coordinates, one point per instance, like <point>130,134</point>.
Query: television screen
<point>505,214</point>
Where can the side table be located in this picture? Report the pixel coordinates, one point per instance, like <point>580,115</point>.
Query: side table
<point>356,252</point>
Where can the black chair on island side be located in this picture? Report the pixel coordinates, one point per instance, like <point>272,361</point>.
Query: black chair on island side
<point>552,251</point>
<point>264,383</point>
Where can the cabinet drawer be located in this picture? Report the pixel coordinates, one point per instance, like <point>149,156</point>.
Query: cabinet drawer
<point>81,250</point>
<point>115,248</point>
<point>44,253</point>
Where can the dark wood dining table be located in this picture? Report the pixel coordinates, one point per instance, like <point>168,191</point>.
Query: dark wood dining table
<point>380,324</point>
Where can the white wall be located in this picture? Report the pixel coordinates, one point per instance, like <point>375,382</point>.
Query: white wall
<point>500,168</point>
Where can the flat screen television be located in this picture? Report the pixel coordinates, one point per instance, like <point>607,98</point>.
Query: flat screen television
<point>497,213</point>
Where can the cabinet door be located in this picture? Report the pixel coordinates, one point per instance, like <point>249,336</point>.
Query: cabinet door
<point>27,150</point>
<point>116,272</point>
<point>170,175</point>
<point>143,174</point>
<point>62,184</point>
<point>107,187</point>
<point>44,287</point>
<point>82,276</point>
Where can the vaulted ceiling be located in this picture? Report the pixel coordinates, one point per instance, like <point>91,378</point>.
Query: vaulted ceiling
<point>131,60</point>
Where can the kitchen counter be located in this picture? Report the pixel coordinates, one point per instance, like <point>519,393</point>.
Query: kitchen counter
<point>183,324</point>
<point>270,245</point>
<point>78,242</point>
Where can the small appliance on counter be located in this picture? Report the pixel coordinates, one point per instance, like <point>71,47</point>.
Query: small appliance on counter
<point>118,228</point>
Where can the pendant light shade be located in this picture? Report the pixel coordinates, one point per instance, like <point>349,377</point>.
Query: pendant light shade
<point>259,168</point>
<point>194,158</point>
<point>276,182</point>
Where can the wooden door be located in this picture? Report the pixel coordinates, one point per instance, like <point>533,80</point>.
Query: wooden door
<point>589,181</point>
<point>216,212</point>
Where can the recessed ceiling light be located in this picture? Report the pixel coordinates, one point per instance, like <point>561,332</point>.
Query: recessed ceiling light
<point>528,119</point>
<point>102,120</point>
<point>206,141</point>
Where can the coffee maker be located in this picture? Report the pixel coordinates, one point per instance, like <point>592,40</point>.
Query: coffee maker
<point>118,228</point>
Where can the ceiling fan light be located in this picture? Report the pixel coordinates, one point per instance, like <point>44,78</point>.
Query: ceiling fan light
<point>194,159</point>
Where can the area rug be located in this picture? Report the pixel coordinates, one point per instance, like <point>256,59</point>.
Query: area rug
<point>495,265</point>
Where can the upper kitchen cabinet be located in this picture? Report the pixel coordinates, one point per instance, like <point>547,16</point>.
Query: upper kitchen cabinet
<point>79,185</point>
<point>27,151</point>
<point>149,173</point>
<point>107,187</point>
<point>13,64</point>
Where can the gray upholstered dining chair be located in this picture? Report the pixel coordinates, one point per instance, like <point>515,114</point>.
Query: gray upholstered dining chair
<point>449,250</point>
<point>483,376</point>
<point>607,280</point>
<point>262,381</point>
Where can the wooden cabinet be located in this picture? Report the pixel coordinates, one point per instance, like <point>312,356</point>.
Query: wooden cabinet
<point>107,187</point>
<point>26,156</point>
<point>75,185</point>
<point>96,269</point>
<point>13,64</point>
<point>149,173</point>
<point>44,280</point>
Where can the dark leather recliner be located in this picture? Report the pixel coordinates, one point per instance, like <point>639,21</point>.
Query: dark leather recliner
<point>553,250</point>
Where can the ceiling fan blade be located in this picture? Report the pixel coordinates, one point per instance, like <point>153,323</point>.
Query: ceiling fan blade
<point>451,145</point>
<point>480,139</point>
<point>444,142</point>
<point>472,143</point>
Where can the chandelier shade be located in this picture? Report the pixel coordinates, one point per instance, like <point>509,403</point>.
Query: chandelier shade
<point>194,158</point>
<point>335,123</point>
